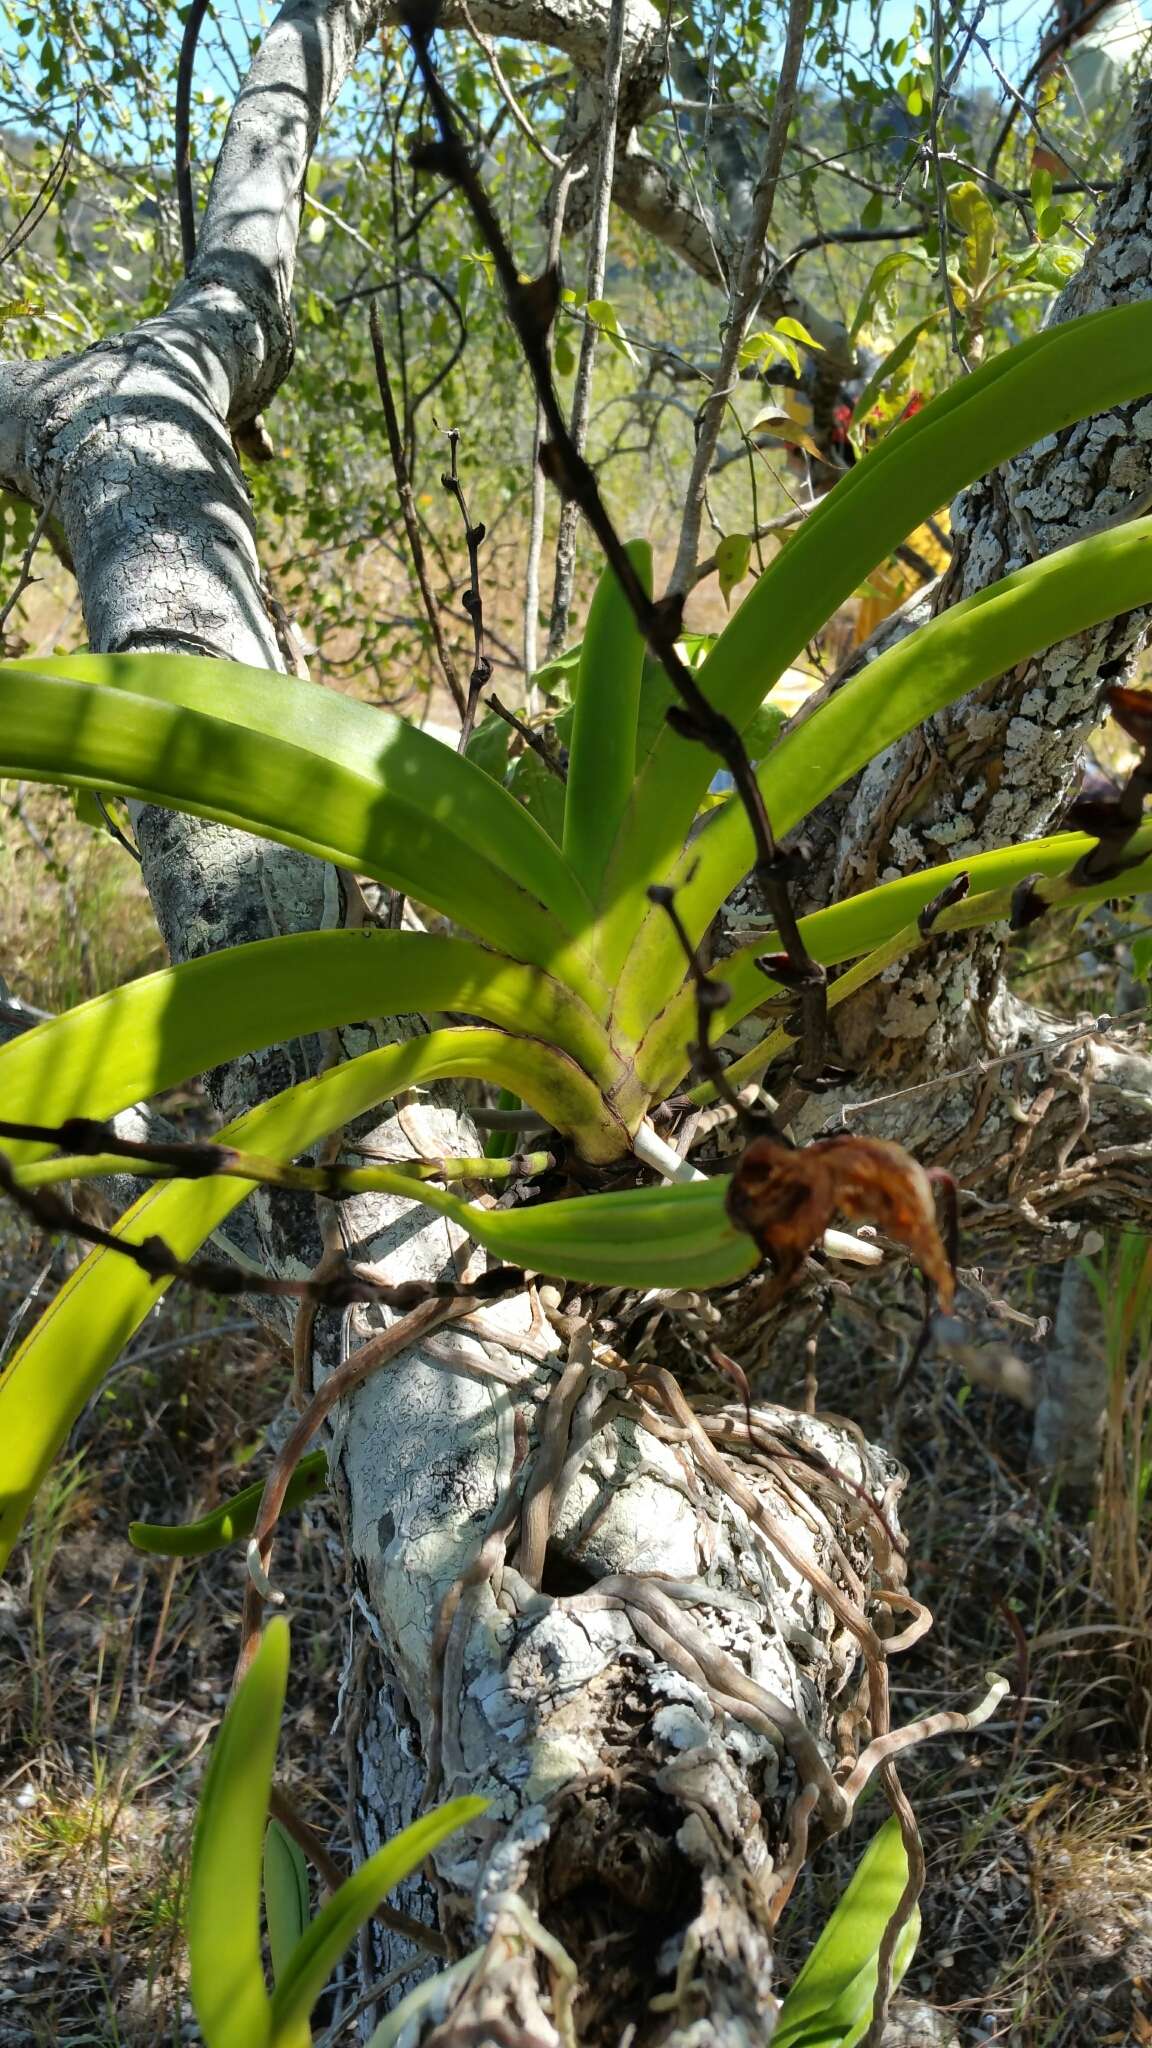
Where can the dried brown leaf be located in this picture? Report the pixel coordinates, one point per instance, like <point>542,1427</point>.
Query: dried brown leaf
<point>786,1199</point>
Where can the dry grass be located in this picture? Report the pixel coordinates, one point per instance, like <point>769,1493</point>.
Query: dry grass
<point>1038,1912</point>
<point>1037,1920</point>
<point>74,918</point>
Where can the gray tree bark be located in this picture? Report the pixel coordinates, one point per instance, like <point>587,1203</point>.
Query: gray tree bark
<point>640,1632</point>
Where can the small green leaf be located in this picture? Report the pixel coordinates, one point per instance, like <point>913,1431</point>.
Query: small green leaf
<point>977,223</point>
<point>796,330</point>
<point>232,1521</point>
<point>1041,188</point>
<point>1049,222</point>
<point>895,360</point>
<point>287,1907</point>
<point>604,313</point>
<point>87,809</point>
<point>557,678</point>
<point>563,356</point>
<point>872,212</point>
<point>223,1919</point>
<point>732,556</point>
<point>880,288</point>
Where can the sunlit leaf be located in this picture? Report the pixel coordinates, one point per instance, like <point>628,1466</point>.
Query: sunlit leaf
<point>223,1917</point>
<point>830,2003</point>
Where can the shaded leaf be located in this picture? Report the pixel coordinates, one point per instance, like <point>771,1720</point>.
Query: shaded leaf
<point>337,1923</point>
<point>223,1920</point>
<point>287,1907</point>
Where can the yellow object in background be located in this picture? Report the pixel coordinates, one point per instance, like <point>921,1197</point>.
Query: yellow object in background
<point>889,585</point>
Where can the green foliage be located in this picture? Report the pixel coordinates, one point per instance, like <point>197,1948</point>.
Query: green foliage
<point>830,2003</point>
<point>286,1901</point>
<point>232,1521</point>
<point>236,1857</point>
<point>223,1913</point>
<point>602,762</point>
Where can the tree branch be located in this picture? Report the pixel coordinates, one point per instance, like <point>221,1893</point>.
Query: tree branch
<point>745,295</point>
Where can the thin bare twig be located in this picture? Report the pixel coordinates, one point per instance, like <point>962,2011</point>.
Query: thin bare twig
<point>24,576</point>
<point>472,598</point>
<point>193,23</point>
<point>711,997</point>
<point>535,740</point>
<point>33,215</point>
<point>564,183</point>
<point>531,308</point>
<point>594,290</point>
<point>408,513</point>
<point>81,1136</point>
<point>508,96</point>
<point>746,291</point>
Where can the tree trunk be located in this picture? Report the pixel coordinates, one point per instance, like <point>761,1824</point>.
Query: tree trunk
<point>640,1633</point>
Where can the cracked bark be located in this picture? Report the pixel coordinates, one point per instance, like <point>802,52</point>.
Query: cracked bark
<point>640,1796</point>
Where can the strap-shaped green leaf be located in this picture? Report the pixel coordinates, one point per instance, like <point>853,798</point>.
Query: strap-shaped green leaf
<point>970,644</point>
<point>223,1918</point>
<point>408,812</point>
<point>127,1045</point>
<point>232,1521</point>
<point>61,1363</point>
<point>451,790</point>
<point>324,1941</point>
<point>1060,375</point>
<point>860,924</point>
<point>830,2004</point>
<point>602,757</point>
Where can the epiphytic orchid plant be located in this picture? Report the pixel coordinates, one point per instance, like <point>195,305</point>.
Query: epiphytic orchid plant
<point>585,1002</point>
